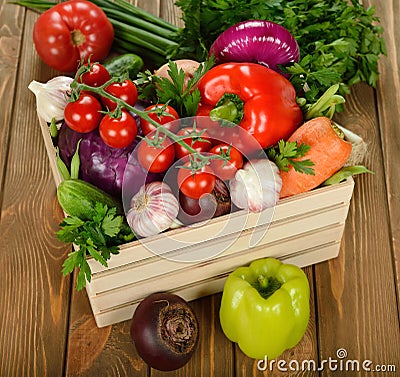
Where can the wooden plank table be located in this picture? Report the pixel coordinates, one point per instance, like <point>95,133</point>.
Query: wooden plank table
<point>47,328</point>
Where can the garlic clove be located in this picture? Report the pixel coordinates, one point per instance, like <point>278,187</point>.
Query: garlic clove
<point>256,186</point>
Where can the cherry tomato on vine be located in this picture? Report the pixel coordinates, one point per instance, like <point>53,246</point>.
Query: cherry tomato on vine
<point>118,132</point>
<point>83,115</point>
<point>196,183</point>
<point>199,143</point>
<point>70,31</point>
<point>164,115</point>
<point>226,170</point>
<point>156,159</point>
<point>96,75</point>
<point>125,90</point>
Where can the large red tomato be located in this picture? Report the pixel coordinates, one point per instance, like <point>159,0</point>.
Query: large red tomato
<point>70,31</point>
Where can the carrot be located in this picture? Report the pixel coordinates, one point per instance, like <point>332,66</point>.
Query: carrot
<point>328,151</point>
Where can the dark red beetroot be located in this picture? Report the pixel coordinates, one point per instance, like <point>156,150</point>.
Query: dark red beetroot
<point>165,331</point>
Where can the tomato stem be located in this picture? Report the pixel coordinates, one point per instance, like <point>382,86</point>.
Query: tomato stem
<point>77,38</point>
<point>201,159</point>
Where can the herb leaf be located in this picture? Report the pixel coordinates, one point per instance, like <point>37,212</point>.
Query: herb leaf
<point>340,40</point>
<point>287,153</point>
<point>97,238</point>
<point>183,97</point>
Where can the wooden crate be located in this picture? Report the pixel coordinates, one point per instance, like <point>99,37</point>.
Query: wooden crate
<point>194,261</point>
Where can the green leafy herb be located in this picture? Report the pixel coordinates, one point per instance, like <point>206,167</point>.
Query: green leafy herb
<point>95,238</point>
<point>340,40</point>
<point>184,98</point>
<point>287,153</point>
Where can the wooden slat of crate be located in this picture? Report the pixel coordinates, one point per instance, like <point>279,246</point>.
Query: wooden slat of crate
<point>182,274</point>
<point>319,199</point>
<point>281,231</point>
<point>209,286</point>
<point>51,153</point>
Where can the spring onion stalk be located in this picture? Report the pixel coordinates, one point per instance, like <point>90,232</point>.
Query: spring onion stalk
<point>123,46</point>
<point>39,5</point>
<point>124,5</point>
<point>136,30</point>
<point>138,22</point>
<point>148,40</point>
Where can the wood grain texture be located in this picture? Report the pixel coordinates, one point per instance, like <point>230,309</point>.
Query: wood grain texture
<point>354,288</point>
<point>388,100</point>
<point>11,21</point>
<point>34,296</point>
<point>99,352</point>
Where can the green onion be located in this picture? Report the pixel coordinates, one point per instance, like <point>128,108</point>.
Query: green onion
<point>140,13</point>
<point>151,41</point>
<point>135,30</point>
<point>39,5</point>
<point>138,22</point>
<point>122,47</point>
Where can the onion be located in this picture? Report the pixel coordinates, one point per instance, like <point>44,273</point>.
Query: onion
<point>152,210</point>
<point>214,204</point>
<point>256,41</point>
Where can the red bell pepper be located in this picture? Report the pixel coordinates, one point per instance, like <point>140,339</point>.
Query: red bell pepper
<point>258,99</point>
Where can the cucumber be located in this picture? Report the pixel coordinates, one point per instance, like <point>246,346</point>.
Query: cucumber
<point>130,63</point>
<point>78,198</point>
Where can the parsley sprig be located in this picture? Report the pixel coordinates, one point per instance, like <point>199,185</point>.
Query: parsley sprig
<point>288,153</point>
<point>183,97</point>
<point>95,238</point>
<point>340,41</point>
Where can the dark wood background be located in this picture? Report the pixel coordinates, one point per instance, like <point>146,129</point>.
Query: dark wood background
<point>47,328</point>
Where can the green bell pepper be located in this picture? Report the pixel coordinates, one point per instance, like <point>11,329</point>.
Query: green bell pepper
<point>265,307</point>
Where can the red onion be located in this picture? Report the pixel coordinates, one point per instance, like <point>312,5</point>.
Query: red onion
<point>215,204</point>
<point>256,41</point>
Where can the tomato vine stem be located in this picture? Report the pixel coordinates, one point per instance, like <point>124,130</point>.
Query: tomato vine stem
<point>77,87</point>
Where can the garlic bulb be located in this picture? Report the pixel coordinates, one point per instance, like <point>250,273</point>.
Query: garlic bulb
<point>152,210</point>
<point>51,97</point>
<point>256,186</point>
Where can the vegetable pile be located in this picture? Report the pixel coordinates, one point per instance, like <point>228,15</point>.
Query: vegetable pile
<point>339,41</point>
<point>246,147</point>
<point>240,121</point>
<point>238,151</point>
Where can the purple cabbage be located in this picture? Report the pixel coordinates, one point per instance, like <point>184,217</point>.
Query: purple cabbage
<point>101,165</point>
<point>114,170</point>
